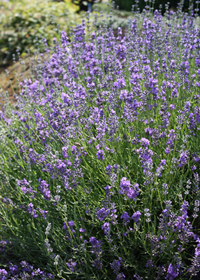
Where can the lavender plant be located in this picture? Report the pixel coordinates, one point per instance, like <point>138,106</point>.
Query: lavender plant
<point>100,162</point>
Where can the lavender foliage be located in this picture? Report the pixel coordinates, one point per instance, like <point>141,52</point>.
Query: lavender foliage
<point>100,161</point>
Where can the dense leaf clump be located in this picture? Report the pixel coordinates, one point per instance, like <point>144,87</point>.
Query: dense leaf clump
<point>23,25</point>
<point>100,160</point>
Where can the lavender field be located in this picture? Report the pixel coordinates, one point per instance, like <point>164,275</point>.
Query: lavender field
<point>100,158</point>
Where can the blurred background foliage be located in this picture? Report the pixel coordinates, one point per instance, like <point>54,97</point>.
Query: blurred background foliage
<point>23,23</point>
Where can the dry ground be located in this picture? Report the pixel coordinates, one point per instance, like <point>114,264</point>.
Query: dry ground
<point>16,73</point>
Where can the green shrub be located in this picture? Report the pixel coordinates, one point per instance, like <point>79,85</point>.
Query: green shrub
<point>23,25</point>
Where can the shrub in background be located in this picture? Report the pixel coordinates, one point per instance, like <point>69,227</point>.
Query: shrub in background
<point>23,25</point>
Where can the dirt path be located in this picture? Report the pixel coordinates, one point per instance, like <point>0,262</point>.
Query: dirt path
<point>16,73</point>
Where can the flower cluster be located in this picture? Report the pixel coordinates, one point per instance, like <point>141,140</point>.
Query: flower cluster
<point>97,251</point>
<point>130,191</point>
<point>24,271</point>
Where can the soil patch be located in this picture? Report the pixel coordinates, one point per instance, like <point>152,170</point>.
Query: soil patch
<point>11,75</point>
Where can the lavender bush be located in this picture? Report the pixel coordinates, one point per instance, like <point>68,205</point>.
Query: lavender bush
<point>100,159</point>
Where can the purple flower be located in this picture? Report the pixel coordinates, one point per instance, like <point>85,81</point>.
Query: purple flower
<point>69,229</point>
<point>97,251</point>
<point>145,155</point>
<point>106,228</point>
<point>195,157</point>
<point>120,276</point>
<point>136,216</point>
<point>93,241</point>
<point>32,211</point>
<point>65,97</point>
<point>13,268</point>
<point>172,272</point>
<point>74,149</point>
<point>137,277</point>
<point>43,187</point>
<point>43,212</point>
<point>193,167</point>
<point>124,185</point>
<point>71,265</point>
<point>26,188</point>
<point>172,106</point>
<point>116,167</point>
<point>3,274</point>
<point>61,166</point>
<point>115,265</point>
<point>125,218</point>
<point>144,142</point>
<point>183,159</point>
<point>125,188</point>
<point>163,162</point>
<point>103,213</point>
<point>64,152</point>
<point>71,224</point>
<point>133,192</point>
<point>26,267</point>
<point>100,155</point>
<point>167,151</point>
<point>108,169</point>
